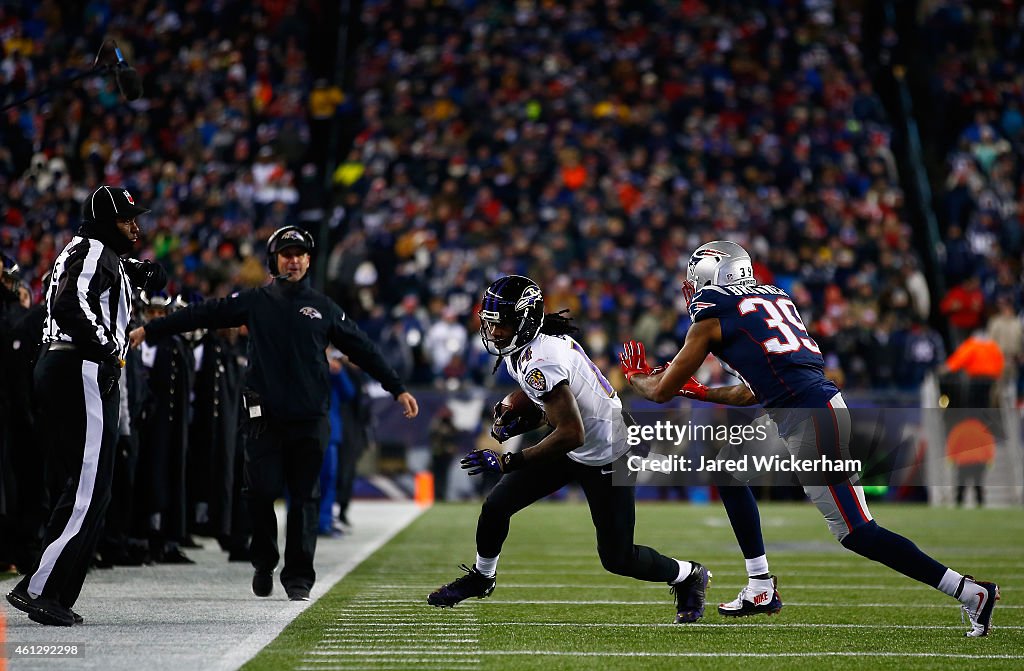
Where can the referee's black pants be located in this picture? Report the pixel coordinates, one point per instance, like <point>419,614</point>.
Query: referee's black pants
<point>286,457</point>
<point>79,432</point>
<point>611,509</point>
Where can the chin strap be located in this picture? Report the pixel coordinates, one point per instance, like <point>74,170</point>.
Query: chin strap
<point>497,363</point>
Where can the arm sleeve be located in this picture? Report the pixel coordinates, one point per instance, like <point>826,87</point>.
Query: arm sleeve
<point>221,313</point>
<point>350,339</point>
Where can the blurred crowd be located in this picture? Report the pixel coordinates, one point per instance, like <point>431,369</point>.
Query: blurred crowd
<point>591,145</point>
<point>216,144</point>
<point>977,129</point>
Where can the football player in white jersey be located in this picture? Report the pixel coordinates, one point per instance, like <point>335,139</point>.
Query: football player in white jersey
<point>588,435</point>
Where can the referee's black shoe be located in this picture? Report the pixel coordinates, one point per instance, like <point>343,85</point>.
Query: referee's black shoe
<point>43,610</point>
<point>262,582</point>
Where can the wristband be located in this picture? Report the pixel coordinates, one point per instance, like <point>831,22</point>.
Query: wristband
<point>511,461</point>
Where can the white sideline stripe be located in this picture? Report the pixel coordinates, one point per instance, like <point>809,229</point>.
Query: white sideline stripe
<point>252,644</point>
<point>735,625</point>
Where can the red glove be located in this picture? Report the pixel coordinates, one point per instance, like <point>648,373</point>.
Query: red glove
<point>658,370</point>
<point>633,359</point>
<point>694,389</point>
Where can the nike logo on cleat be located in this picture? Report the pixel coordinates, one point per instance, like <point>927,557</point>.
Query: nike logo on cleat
<point>760,598</point>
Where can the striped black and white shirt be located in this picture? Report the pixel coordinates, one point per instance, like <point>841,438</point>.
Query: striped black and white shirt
<point>88,300</point>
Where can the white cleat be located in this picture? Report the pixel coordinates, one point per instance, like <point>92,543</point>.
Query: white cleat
<point>978,599</point>
<point>759,596</point>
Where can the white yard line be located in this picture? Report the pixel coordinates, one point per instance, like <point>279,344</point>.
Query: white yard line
<point>433,657</point>
<point>380,522</point>
<point>912,587</point>
<point>759,624</point>
<point>648,602</point>
<point>358,633</point>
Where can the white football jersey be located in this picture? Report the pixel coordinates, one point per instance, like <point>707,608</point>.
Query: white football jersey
<point>548,361</point>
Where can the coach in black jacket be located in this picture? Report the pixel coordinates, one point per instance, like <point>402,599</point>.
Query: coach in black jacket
<point>84,337</point>
<point>290,325</point>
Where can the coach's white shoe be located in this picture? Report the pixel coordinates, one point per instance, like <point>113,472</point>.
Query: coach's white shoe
<point>759,596</point>
<point>978,599</point>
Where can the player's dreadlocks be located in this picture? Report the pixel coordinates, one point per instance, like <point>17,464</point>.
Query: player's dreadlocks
<point>558,324</point>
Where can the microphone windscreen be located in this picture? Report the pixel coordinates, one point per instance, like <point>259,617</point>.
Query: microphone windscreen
<point>129,83</point>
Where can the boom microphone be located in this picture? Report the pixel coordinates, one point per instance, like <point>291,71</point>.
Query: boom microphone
<point>128,81</point>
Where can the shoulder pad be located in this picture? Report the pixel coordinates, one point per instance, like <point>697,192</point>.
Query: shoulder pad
<point>707,303</point>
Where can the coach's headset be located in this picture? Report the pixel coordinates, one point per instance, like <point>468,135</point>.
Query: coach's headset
<point>287,236</point>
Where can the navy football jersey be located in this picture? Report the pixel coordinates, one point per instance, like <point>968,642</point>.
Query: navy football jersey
<point>765,342</point>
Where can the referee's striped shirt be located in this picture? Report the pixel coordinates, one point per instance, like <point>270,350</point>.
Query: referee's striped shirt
<point>88,300</point>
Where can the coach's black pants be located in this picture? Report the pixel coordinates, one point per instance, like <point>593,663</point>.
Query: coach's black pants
<point>79,431</point>
<point>611,509</point>
<point>286,456</point>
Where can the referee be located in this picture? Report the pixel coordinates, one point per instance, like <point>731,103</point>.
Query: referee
<point>88,303</point>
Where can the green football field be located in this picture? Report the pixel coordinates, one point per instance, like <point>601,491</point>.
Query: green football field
<point>555,607</point>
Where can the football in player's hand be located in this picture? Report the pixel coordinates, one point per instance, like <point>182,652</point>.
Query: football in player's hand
<point>515,414</point>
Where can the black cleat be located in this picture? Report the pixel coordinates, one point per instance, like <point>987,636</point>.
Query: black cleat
<point>297,593</point>
<point>473,583</point>
<point>690,593</point>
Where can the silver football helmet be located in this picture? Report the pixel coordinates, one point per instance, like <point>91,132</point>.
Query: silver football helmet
<point>720,263</point>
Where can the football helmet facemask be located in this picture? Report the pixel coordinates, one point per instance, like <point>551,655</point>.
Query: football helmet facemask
<point>514,301</point>
<point>720,263</point>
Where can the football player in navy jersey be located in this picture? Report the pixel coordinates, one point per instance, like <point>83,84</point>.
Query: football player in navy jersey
<point>589,435</point>
<point>756,331</point>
